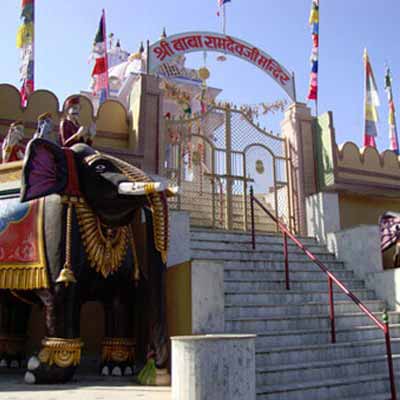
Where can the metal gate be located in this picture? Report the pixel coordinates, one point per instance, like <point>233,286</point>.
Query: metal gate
<point>215,157</point>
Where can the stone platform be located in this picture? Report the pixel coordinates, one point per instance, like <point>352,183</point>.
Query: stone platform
<point>83,387</point>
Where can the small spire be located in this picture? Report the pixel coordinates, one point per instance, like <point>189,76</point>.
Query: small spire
<point>164,33</point>
<point>118,43</point>
<point>141,48</point>
<point>111,40</point>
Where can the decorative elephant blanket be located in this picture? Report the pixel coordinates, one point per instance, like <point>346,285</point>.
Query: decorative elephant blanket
<point>22,256</point>
<point>389,224</point>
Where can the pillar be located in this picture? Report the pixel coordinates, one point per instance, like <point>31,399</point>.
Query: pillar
<point>297,128</point>
<point>213,367</point>
<point>147,130</point>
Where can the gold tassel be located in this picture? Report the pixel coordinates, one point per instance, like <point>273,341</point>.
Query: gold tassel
<point>66,275</point>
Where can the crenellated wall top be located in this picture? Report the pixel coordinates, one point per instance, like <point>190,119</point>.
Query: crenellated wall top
<point>112,121</point>
<point>347,167</point>
<point>368,158</point>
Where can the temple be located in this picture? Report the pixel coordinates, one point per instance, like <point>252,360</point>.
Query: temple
<point>272,237</point>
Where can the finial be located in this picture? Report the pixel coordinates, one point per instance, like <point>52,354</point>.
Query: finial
<point>164,33</point>
<point>118,43</point>
<point>111,40</point>
<point>141,48</point>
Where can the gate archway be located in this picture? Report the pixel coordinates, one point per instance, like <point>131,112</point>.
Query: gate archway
<point>170,47</point>
<point>212,157</point>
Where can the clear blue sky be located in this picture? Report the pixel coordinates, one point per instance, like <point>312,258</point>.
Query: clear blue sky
<point>65,31</point>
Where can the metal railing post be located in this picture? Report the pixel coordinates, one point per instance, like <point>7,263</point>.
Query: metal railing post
<point>286,256</point>
<point>331,278</point>
<point>389,355</point>
<point>331,311</point>
<point>253,233</point>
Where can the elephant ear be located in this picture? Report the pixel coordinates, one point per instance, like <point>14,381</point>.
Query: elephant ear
<point>44,171</point>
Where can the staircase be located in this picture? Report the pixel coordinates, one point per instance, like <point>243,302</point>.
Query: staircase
<point>295,359</point>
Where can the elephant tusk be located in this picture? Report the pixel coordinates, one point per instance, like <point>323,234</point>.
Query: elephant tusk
<point>172,191</point>
<point>140,188</point>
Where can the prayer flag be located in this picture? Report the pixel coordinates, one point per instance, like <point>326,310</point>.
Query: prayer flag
<point>25,42</point>
<point>314,22</point>
<point>100,69</point>
<point>371,102</point>
<point>393,138</point>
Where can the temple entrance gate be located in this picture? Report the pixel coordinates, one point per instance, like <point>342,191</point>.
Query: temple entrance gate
<point>215,157</point>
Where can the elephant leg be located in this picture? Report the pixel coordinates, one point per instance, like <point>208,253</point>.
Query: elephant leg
<point>60,353</point>
<point>396,257</point>
<point>155,306</point>
<point>14,317</point>
<point>118,347</point>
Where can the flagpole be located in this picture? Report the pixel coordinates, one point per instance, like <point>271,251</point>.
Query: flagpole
<point>33,45</point>
<point>224,18</point>
<point>365,91</point>
<point>106,54</point>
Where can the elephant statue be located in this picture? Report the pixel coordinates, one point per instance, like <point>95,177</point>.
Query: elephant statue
<point>84,213</point>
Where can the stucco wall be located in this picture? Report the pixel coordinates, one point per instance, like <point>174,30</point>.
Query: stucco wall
<point>363,209</point>
<point>359,248</point>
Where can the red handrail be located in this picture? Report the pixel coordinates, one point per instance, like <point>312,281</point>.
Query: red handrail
<point>384,326</point>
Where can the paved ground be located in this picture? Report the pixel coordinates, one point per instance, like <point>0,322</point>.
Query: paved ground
<point>84,387</point>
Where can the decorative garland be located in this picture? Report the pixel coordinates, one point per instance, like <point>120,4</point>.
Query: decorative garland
<point>256,110</point>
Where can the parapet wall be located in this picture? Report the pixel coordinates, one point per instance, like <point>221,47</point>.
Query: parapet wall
<point>367,166</point>
<point>113,122</point>
<point>367,182</point>
<point>349,168</point>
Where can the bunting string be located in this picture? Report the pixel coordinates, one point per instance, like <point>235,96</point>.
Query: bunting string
<point>314,23</point>
<point>25,42</point>
<point>393,138</point>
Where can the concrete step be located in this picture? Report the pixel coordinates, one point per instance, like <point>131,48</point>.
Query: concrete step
<point>307,337</point>
<point>323,352</point>
<point>329,389</point>
<point>304,275</point>
<point>205,222</point>
<point>229,236</point>
<point>311,285</point>
<point>256,255</point>
<point>274,245</point>
<point>267,266</point>
<point>317,321</point>
<point>266,311</point>
<point>314,371</point>
<point>270,297</point>
<point>374,396</point>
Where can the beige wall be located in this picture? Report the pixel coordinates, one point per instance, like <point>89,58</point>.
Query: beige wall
<point>179,299</point>
<point>363,209</point>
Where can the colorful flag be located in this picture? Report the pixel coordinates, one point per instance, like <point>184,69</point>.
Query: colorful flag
<point>100,69</point>
<point>25,42</point>
<point>370,105</point>
<point>394,141</point>
<point>314,22</point>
